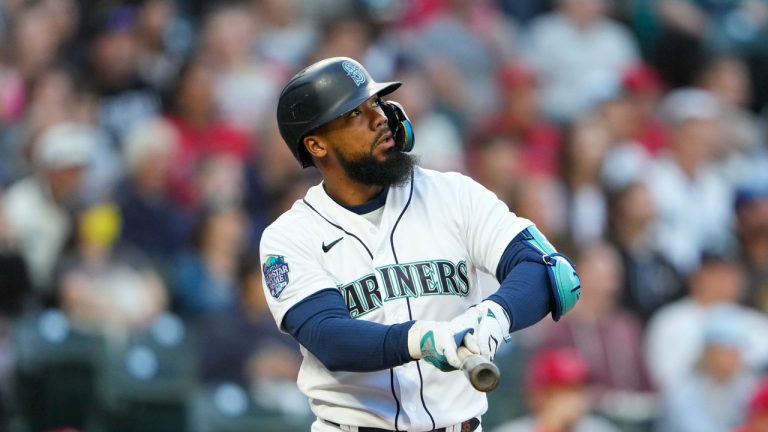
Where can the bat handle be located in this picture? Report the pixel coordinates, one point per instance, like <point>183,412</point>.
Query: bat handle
<point>483,374</point>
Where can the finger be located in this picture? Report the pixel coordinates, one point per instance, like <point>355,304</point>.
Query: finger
<point>470,342</point>
<point>450,352</point>
<point>459,337</point>
<point>483,340</point>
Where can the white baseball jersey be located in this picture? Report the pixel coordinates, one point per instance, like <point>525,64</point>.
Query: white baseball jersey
<point>419,263</point>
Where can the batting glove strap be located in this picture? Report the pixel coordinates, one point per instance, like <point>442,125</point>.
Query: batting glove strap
<point>434,342</point>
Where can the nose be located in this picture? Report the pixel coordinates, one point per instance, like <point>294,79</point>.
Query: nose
<point>378,118</point>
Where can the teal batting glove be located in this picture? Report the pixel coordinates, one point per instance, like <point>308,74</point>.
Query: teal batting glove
<point>434,342</point>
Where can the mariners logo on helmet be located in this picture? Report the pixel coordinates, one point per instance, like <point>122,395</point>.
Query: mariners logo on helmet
<point>275,274</point>
<point>354,72</point>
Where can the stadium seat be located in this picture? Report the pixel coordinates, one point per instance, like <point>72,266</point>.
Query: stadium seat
<point>56,372</point>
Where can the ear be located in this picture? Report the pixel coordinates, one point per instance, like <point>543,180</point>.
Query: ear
<point>315,146</point>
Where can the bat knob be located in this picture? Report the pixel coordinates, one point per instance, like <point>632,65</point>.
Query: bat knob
<point>483,374</point>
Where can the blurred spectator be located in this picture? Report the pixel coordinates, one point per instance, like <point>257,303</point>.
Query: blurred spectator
<point>413,14</point>
<point>286,34</point>
<point>725,25</point>
<point>693,28</point>
<point>163,39</point>
<point>355,34</point>
<point>55,99</point>
<point>578,53</point>
<point>675,335</point>
<point>114,65</point>
<point>757,411</point>
<point>727,78</point>
<point>713,395</point>
<point>642,88</point>
<point>519,119</point>
<point>680,48</point>
<point>28,109</point>
<point>38,208</point>
<point>461,46</point>
<point>16,288</point>
<point>205,277</point>
<point>649,280</point>
<point>202,133</point>
<point>541,200</point>
<point>524,11</point>
<point>12,94</point>
<point>607,336</point>
<point>557,390</point>
<point>245,89</point>
<point>586,145</point>
<point>52,97</point>
<point>637,133</point>
<point>33,39</point>
<point>751,207</point>
<point>271,171</point>
<point>498,165</point>
<point>692,202</point>
<point>150,220</point>
<point>14,278</point>
<point>246,347</point>
<point>439,145</point>
<point>104,287</point>
<point>220,181</point>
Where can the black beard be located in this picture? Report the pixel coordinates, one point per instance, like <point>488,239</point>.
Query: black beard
<point>395,170</point>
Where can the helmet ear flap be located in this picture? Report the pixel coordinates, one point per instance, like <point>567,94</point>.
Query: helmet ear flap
<point>400,124</point>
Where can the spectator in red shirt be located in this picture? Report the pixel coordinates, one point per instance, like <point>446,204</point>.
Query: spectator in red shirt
<point>642,88</point>
<point>202,134</point>
<point>519,119</point>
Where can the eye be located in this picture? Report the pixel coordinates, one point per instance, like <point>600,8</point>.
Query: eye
<point>378,102</point>
<point>355,112</point>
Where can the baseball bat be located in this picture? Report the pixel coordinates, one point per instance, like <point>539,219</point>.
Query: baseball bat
<point>483,374</point>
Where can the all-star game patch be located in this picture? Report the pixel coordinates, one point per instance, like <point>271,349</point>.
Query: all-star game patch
<point>275,274</point>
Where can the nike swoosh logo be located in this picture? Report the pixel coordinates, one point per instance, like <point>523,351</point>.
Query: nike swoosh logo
<point>328,247</point>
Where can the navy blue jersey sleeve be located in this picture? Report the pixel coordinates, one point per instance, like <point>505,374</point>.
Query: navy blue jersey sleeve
<point>524,292</point>
<point>321,323</point>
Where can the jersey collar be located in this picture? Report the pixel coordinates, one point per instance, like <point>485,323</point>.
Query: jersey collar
<point>374,203</point>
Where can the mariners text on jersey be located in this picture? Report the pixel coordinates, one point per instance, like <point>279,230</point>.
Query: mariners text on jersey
<point>425,278</point>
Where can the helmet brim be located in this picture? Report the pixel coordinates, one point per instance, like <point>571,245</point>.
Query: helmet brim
<point>372,89</point>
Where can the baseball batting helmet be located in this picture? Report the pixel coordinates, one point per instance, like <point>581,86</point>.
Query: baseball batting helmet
<point>320,93</point>
<point>556,366</point>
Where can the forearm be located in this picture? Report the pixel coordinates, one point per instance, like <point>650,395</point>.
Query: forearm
<point>321,323</point>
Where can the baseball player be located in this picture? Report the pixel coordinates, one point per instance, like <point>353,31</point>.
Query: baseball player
<point>374,271</point>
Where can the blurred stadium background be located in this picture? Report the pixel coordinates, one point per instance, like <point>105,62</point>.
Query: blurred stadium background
<point>140,161</point>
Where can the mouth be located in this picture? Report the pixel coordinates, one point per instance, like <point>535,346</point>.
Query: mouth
<point>386,141</point>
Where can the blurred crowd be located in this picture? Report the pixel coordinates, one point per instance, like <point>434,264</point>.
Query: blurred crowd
<point>140,161</point>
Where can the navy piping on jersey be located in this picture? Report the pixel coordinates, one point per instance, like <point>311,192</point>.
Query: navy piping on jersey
<point>339,227</point>
<point>408,302</point>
